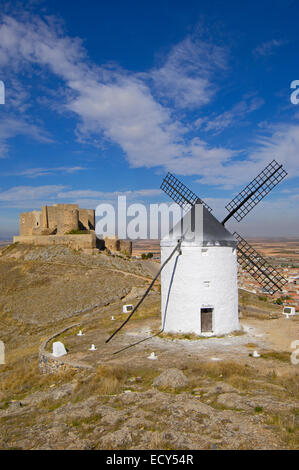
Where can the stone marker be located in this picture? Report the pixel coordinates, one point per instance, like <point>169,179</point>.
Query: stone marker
<point>2,353</point>
<point>59,349</point>
<point>256,354</point>
<point>80,333</point>
<point>152,356</point>
<point>92,348</point>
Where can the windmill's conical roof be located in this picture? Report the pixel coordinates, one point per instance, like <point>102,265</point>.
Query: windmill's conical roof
<point>199,228</point>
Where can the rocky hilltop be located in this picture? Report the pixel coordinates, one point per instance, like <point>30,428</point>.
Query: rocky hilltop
<point>198,394</point>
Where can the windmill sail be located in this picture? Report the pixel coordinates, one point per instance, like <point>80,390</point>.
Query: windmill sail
<point>252,262</point>
<point>255,191</point>
<point>180,194</point>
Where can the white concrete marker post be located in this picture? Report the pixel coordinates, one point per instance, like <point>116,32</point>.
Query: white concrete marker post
<point>59,349</point>
<point>2,353</point>
<point>152,356</point>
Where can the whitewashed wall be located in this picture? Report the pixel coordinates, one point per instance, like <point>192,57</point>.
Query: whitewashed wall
<point>187,294</point>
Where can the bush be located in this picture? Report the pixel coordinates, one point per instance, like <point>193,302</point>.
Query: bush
<point>146,256</point>
<point>78,232</point>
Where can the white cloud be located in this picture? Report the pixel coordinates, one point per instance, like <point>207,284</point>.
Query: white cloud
<point>120,107</point>
<point>35,196</point>
<point>281,144</point>
<point>17,96</point>
<point>271,218</point>
<point>11,126</point>
<point>127,114</point>
<point>233,116</point>
<point>87,193</point>
<point>37,172</point>
<point>267,48</point>
<point>113,103</point>
<point>30,193</point>
<point>186,76</point>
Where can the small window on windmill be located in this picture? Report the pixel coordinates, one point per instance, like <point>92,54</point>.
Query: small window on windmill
<point>204,251</point>
<point>206,284</point>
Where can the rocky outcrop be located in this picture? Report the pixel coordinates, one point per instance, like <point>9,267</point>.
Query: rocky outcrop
<point>171,378</point>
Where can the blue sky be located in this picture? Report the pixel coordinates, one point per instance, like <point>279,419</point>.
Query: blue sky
<point>103,98</point>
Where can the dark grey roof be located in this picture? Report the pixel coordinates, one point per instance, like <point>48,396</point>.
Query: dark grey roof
<point>202,230</point>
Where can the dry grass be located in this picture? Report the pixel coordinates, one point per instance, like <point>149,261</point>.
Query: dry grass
<point>237,375</point>
<point>252,300</point>
<point>283,356</point>
<point>150,309</point>
<point>251,345</point>
<point>23,376</point>
<point>9,248</point>
<point>240,382</point>
<point>50,404</point>
<point>290,382</point>
<point>158,442</point>
<point>181,336</point>
<point>106,381</point>
<point>222,370</point>
<point>287,428</point>
<point>195,337</point>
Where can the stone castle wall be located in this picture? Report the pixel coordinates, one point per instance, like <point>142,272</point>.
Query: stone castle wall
<point>87,243</point>
<point>114,244</point>
<point>125,247</point>
<point>86,219</point>
<point>53,224</point>
<point>29,221</point>
<point>59,218</point>
<point>67,221</point>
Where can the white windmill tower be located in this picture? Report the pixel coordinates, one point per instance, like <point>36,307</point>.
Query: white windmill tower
<point>199,285</point>
<point>199,259</point>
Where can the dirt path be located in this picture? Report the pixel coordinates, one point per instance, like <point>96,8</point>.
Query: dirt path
<point>101,268</point>
<point>260,335</point>
<point>279,333</point>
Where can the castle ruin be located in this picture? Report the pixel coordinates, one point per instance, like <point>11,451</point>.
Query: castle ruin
<point>66,224</point>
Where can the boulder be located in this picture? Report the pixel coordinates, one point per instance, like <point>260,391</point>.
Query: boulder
<point>233,401</point>
<point>171,378</point>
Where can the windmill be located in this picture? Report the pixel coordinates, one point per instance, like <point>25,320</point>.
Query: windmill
<point>199,287</point>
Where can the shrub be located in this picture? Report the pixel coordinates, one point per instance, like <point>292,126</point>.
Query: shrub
<point>146,256</point>
<point>78,232</point>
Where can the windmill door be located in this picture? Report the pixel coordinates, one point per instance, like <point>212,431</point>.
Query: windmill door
<point>206,317</point>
